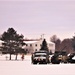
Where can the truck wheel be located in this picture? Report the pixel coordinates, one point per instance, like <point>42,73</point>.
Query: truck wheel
<point>34,63</point>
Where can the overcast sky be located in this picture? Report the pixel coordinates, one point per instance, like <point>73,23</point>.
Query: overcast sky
<point>33,18</point>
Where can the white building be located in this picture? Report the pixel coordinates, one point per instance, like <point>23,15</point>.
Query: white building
<point>35,45</point>
<point>1,43</point>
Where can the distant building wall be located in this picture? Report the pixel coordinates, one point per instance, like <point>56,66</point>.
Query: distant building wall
<point>1,43</point>
<point>32,46</point>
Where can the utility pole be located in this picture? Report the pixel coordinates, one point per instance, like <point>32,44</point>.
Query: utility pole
<point>42,36</point>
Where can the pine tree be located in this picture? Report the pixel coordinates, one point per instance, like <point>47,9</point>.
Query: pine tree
<point>44,45</point>
<point>13,42</point>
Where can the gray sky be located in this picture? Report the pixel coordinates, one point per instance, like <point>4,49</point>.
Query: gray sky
<point>33,18</point>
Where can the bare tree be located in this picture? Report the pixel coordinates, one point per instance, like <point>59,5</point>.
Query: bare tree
<point>53,38</point>
<point>67,43</point>
<point>57,42</point>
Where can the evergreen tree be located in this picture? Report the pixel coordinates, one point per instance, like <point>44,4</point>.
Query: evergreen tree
<point>44,45</point>
<point>13,42</point>
<point>73,43</point>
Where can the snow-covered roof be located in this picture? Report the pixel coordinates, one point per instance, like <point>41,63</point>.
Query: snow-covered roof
<point>37,41</point>
<point>1,41</point>
<point>30,41</point>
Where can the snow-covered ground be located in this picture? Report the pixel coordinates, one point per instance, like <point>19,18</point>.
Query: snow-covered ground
<point>25,67</point>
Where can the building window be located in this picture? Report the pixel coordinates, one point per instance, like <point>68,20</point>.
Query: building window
<point>35,49</point>
<point>30,44</point>
<point>26,44</point>
<point>26,49</point>
<point>35,44</point>
<point>40,45</point>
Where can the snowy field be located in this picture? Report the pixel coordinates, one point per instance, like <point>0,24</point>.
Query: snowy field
<point>25,67</point>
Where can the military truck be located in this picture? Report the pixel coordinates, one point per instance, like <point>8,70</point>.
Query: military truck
<point>54,58</point>
<point>41,57</point>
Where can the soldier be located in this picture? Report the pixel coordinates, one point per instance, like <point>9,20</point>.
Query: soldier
<point>22,57</point>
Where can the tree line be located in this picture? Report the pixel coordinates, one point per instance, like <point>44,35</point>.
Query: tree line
<point>67,45</point>
<point>13,43</point>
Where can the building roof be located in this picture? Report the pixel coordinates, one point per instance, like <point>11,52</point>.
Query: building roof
<point>30,41</point>
<point>37,41</point>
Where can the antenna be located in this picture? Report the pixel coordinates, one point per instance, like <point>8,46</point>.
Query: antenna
<point>42,36</point>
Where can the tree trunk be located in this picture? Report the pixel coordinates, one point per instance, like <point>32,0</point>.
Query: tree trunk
<point>10,57</point>
<point>16,57</point>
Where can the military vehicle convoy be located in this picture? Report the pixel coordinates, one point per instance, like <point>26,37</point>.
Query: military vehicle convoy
<point>43,57</point>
